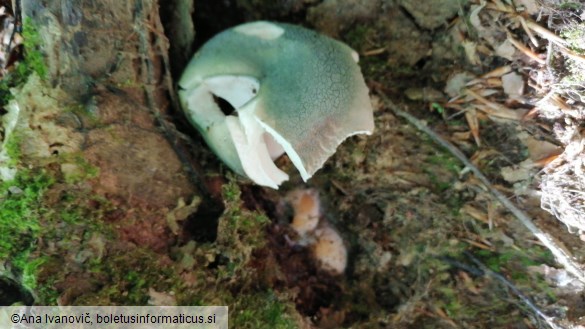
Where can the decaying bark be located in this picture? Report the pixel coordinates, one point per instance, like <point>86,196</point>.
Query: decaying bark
<point>108,61</point>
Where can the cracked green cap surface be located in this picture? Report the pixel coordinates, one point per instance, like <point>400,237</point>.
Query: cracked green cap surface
<point>294,91</point>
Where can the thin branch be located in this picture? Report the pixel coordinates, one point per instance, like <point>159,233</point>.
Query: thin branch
<point>483,270</point>
<point>525,299</point>
<point>553,38</point>
<point>527,51</point>
<point>563,256</point>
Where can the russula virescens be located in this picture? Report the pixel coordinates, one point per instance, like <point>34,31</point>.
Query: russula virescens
<point>294,91</point>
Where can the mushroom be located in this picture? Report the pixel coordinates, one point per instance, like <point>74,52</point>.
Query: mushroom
<point>293,91</point>
<point>326,243</point>
<point>307,212</point>
<point>329,250</point>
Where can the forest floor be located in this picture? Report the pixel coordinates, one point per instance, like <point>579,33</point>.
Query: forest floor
<point>116,219</point>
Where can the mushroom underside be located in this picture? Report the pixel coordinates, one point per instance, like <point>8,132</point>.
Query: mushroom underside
<point>256,147</point>
<point>250,143</point>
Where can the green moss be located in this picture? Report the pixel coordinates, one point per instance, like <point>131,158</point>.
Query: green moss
<point>514,262</point>
<point>33,58</point>
<point>45,276</point>
<point>239,232</point>
<point>573,81</point>
<point>453,304</point>
<point>356,38</point>
<point>77,168</point>
<point>239,223</point>
<point>12,147</point>
<point>126,277</point>
<point>128,83</point>
<point>28,269</point>
<point>450,294</point>
<point>575,37</point>
<point>73,211</point>
<point>442,171</point>
<point>20,211</point>
<point>231,191</point>
<point>260,311</point>
<point>33,62</point>
<point>570,6</point>
<point>60,218</point>
<point>74,228</point>
<point>87,111</point>
<point>20,216</point>
<point>375,66</point>
<point>26,217</point>
<point>372,66</point>
<point>525,257</point>
<point>222,272</point>
<point>446,161</point>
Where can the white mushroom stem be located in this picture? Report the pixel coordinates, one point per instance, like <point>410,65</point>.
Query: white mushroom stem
<point>255,148</point>
<point>248,137</point>
<point>274,148</point>
<point>290,151</point>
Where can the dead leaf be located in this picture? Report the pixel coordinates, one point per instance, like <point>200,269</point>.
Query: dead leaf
<point>457,82</point>
<point>538,149</point>
<point>470,48</point>
<point>471,117</point>
<point>506,50</point>
<point>545,161</point>
<point>461,136</point>
<point>468,282</point>
<point>494,82</point>
<point>525,50</point>
<point>475,213</point>
<point>513,84</point>
<point>474,18</point>
<point>495,109</point>
<point>427,94</point>
<point>528,31</point>
<point>497,72</point>
<point>519,172</point>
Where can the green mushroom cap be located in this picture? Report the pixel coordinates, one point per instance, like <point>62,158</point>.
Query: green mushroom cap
<point>294,91</point>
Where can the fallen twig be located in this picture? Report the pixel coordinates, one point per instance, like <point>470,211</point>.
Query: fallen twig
<point>563,256</point>
<point>545,33</point>
<point>516,291</point>
<point>530,26</point>
<point>493,108</point>
<point>550,36</point>
<point>527,51</point>
<point>374,52</point>
<point>527,30</point>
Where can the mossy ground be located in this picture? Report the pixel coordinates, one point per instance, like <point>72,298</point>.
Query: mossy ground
<point>33,61</point>
<point>73,259</point>
<point>21,209</point>
<point>409,212</point>
<point>68,244</point>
